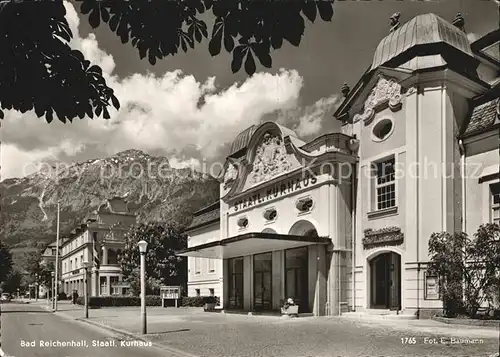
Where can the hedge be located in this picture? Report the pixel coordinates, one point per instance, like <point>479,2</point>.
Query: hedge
<point>199,301</point>
<point>100,301</point>
<point>151,300</point>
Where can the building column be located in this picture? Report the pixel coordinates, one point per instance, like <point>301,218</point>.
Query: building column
<point>248,282</point>
<point>108,284</point>
<point>277,268</point>
<point>225,284</point>
<point>93,285</point>
<point>104,255</point>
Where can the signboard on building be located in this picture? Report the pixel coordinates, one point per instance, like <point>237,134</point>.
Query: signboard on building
<point>170,292</point>
<point>279,189</point>
<point>431,287</point>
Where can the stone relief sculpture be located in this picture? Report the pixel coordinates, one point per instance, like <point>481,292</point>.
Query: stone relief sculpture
<point>270,159</point>
<point>230,174</point>
<point>386,92</point>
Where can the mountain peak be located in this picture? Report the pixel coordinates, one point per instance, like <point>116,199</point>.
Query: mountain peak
<point>131,152</point>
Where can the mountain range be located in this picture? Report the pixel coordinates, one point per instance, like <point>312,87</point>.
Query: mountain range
<point>150,186</point>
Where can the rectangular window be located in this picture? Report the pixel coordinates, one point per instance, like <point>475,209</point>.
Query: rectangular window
<point>211,265</point>
<point>81,260</point>
<point>235,274</point>
<point>197,265</point>
<point>495,202</point>
<point>211,292</point>
<point>53,251</point>
<point>197,292</point>
<point>385,184</point>
<point>70,265</point>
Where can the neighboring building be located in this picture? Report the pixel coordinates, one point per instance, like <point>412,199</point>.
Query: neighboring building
<point>104,234</point>
<point>49,257</point>
<point>342,223</point>
<point>205,274</point>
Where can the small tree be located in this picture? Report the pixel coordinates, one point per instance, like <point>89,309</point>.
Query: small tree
<point>446,252</point>
<point>163,267</point>
<point>38,272</point>
<point>468,268</point>
<point>13,282</point>
<point>5,262</point>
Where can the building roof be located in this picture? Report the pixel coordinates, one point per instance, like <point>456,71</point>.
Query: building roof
<point>484,116</point>
<point>242,140</point>
<point>205,216</point>
<point>427,29</point>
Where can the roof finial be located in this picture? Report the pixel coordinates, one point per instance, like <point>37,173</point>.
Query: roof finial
<point>459,21</point>
<point>395,21</point>
<point>345,90</point>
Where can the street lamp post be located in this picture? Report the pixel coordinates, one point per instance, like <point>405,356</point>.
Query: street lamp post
<point>86,266</point>
<point>36,287</point>
<point>53,274</point>
<point>143,246</point>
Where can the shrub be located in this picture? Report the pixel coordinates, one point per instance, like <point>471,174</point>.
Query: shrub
<point>199,301</point>
<point>106,301</point>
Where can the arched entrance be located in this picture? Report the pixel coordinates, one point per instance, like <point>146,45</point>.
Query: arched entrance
<point>297,267</point>
<point>385,281</point>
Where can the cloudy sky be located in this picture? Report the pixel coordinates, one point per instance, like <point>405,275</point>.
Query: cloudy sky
<point>160,111</point>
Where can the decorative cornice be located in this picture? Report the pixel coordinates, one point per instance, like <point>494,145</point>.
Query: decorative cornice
<point>387,92</point>
<point>384,236</point>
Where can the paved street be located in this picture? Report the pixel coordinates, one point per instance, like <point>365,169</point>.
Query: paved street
<point>212,334</point>
<point>31,324</point>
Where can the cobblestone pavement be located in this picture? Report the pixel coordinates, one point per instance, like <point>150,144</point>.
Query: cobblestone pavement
<point>212,334</point>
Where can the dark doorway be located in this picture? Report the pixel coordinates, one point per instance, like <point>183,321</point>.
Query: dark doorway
<point>262,281</point>
<point>235,283</point>
<point>296,279</point>
<point>385,281</point>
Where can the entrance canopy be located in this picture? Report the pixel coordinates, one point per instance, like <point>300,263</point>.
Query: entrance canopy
<point>250,243</point>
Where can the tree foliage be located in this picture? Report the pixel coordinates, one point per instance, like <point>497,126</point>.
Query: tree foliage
<point>13,282</point>
<point>38,272</point>
<point>39,70</point>
<point>5,262</point>
<point>469,268</point>
<point>163,267</point>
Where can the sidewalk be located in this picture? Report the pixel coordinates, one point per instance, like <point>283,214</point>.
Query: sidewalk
<point>200,333</point>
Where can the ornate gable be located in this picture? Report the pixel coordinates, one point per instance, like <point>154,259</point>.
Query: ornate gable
<point>387,92</point>
<point>230,175</point>
<point>271,159</point>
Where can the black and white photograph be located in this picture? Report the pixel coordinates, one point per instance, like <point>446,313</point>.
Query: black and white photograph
<point>249,178</point>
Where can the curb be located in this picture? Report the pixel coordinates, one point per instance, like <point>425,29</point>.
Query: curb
<point>173,351</point>
<point>464,322</point>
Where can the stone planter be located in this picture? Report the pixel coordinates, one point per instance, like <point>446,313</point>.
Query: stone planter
<point>209,306</point>
<point>290,310</point>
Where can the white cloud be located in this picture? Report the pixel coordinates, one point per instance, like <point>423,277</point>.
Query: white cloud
<point>158,113</point>
<point>311,122</point>
<point>472,37</point>
<point>18,163</point>
<point>190,163</point>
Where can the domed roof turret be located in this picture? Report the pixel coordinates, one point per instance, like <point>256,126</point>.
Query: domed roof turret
<point>242,140</point>
<point>428,29</point>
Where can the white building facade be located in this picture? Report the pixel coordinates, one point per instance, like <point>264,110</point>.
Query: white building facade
<point>342,223</point>
<point>104,234</point>
<point>205,274</point>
